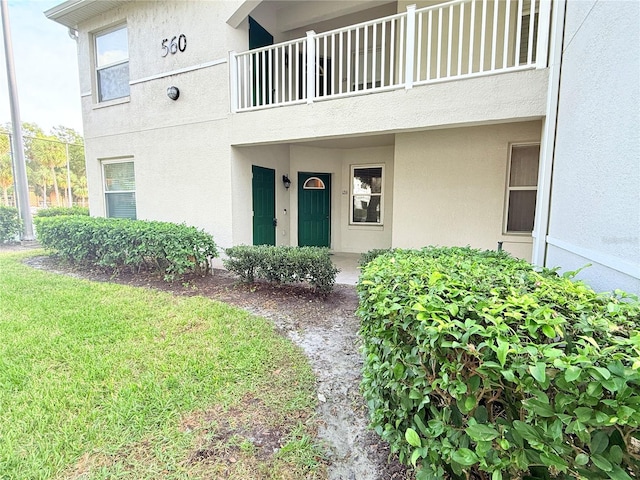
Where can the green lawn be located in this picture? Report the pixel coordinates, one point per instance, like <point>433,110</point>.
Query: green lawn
<point>101,380</point>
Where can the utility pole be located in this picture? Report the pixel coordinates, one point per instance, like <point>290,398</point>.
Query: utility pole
<point>69,197</point>
<point>20,167</point>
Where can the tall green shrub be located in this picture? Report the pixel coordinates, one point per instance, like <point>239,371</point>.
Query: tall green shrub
<point>134,245</point>
<point>283,264</point>
<point>477,366</point>
<point>58,211</point>
<point>10,224</point>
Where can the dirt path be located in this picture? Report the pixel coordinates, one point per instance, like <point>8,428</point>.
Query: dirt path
<point>326,329</point>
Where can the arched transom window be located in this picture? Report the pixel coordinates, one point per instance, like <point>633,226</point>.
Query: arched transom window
<point>313,183</point>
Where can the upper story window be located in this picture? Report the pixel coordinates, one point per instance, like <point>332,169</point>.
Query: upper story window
<point>366,195</point>
<point>112,64</point>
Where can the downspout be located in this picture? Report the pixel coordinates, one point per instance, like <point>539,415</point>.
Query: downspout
<point>549,130</point>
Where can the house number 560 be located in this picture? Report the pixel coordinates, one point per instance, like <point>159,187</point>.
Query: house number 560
<point>177,43</point>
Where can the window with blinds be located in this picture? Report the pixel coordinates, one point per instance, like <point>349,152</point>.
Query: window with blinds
<point>522,188</point>
<point>120,189</point>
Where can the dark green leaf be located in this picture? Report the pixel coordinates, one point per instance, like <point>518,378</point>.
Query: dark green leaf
<point>617,473</point>
<point>601,462</point>
<point>528,432</point>
<point>581,459</point>
<point>480,432</point>
<point>599,443</point>
<point>481,414</point>
<point>616,454</point>
<point>553,460</point>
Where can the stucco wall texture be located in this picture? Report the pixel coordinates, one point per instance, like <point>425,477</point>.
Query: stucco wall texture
<point>595,198</point>
<point>450,186</point>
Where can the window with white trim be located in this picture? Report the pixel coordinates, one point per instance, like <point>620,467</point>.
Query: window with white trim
<point>112,64</point>
<point>366,194</point>
<point>119,189</point>
<point>522,188</point>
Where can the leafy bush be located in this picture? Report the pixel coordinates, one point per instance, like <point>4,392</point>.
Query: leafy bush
<point>477,366</point>
<point>283,265</point>
<point>10,224</point>
<point>58,211</point>
<point>134,245</point>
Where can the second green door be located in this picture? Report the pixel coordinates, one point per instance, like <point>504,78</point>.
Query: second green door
<point>314,209</point>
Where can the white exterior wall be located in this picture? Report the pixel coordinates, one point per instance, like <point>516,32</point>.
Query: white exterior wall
<point>595,198</point>
<point>450,187</point>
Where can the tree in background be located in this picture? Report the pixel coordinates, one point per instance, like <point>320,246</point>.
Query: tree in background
<point>80,188</point>
<point>76,148</point>
<point>47,156</point>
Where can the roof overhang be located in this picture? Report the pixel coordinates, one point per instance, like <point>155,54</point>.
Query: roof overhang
<point>73,12</point>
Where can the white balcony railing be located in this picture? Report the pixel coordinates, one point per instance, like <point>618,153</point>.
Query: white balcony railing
<point>453,40</point>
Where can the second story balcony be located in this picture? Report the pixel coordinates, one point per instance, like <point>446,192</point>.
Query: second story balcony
<point>445,42</point>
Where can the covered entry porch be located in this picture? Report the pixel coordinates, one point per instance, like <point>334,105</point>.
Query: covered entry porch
<point>471,186</point>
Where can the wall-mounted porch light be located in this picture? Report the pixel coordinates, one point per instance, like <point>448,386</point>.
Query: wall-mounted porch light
<point>286,181</point>
<point>173,93</point>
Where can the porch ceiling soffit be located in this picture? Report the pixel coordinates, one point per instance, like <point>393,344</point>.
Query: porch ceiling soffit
<point>73,12</point>
<point>242,12</point>
<point>297,14</point>
<point>336,142</point>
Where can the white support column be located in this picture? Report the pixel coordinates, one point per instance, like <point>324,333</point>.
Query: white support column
<point>311,66</point>
<point>410,51</point>
<point>547,147</point>
<point>233,81</point>
<point>544,24</point>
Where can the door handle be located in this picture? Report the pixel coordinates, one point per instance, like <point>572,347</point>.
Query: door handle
<point>275,222</point>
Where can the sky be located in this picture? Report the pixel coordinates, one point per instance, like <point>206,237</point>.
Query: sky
<point>46,68</point>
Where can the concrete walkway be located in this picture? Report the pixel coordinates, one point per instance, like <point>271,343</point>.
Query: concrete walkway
<point>347,263</point>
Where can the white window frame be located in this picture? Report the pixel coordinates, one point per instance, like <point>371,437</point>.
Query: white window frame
<point>509,189</point>
<point>104,182</point>
<point>97,68</point>
<point>352,170</point>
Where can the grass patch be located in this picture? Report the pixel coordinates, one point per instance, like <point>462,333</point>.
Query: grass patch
<point>100,380</point>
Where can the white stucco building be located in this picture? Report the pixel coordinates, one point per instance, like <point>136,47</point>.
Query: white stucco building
<point>370,124</point>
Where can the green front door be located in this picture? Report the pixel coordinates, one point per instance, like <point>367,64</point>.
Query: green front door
<point>264,205</point>
<point>314,209</point>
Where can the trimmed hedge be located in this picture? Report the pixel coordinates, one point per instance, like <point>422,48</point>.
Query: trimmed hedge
<point>283,265</point>
<point>59,211</point>
<point>10,224</point>
<point>477,366</point>
<point>133,245</point>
